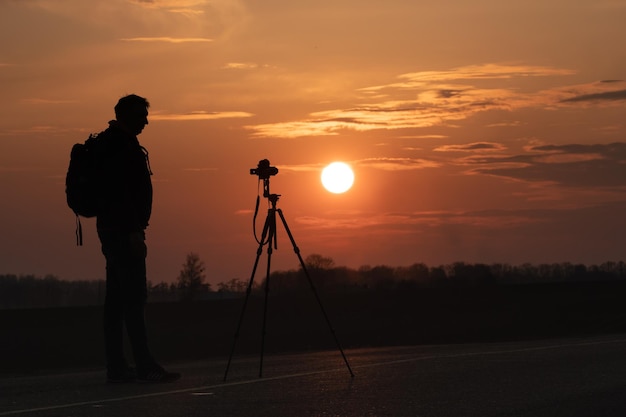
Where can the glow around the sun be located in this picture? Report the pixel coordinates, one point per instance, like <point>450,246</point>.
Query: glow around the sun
<point>337,177</point>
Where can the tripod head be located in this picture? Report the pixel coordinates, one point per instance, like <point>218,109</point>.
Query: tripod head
<point>273,198</point>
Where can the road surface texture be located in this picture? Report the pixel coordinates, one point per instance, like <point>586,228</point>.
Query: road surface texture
<point>561,377</point>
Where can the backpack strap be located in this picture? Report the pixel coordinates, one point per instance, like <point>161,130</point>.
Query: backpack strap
<point>145,153</point>
<point>79,232</point>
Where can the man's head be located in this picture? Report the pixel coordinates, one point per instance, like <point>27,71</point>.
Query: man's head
<point>131,112</point>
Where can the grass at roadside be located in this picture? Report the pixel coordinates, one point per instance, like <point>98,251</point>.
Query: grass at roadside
<point>39,340</point>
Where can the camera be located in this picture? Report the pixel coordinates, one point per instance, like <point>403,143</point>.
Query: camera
<point>264,170</point>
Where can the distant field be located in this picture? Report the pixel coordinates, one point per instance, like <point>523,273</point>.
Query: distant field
<point>71,338</point>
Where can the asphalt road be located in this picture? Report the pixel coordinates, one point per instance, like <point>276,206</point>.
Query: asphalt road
<point>566,377</point>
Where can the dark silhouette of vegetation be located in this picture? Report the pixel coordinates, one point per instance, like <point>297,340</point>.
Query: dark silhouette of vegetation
<point>190,281</point>
<point>28,291</point>
<point>235,286</point>
<point>458,274</point>
<point>35,292</point>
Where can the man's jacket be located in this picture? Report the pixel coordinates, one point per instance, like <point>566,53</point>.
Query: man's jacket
<point>125,201</point>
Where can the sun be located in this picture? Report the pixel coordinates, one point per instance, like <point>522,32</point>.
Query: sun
<point>337,177</point>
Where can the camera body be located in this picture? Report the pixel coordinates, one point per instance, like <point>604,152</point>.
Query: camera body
<point>264,170</point>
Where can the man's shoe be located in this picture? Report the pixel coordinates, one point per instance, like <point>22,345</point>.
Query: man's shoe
<point>158,374</point>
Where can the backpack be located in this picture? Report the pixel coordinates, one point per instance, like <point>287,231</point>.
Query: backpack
<point>81,181</point>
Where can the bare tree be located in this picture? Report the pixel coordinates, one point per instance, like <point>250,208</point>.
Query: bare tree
<point>191,278</point>
<point>317,261</point>
<point>234,285</point>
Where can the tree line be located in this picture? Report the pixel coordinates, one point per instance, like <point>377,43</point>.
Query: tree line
<point>327,276</point>
<point>28,291</point>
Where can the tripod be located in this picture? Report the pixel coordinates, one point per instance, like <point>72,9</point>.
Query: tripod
<point>269,233</point>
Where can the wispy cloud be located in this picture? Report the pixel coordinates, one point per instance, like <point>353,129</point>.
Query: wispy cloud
<point>199,115</point>
<point>495,219</point>
<point>184,7</point>
<point>471,73</point>
<point>200,169</point>
<point>243,66</point>
<point>46,101</point>
<point>167,4</point>
<point>398,164</point>
<point>598,165</point>
<point>386,115</point>
<point>44,131</point>
<point>420,99</point>
<point>506,124</point>
<point>190,16</point>
<point>598,97</point>
<point>439,98</point>
<point>385,164</point>
<point>472,147</point>
<point>166,39</point>
<point>422,137</point>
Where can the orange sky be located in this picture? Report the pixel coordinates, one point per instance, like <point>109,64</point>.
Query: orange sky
<point>490,132</point>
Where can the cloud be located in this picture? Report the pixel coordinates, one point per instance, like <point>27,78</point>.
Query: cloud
<point>297,129</point>
<point>166,39</point>
<point>488,71</point>
<point>46,101</point>
<point>442,98</point>
<point>200,169</point>
<point>574,165</point>
<point>568,158</point>
<point>608,92</point>
<point>408,222</point>
<point>424,112</point>
<point>242,66</point>
<point>398,164</point>
<point>470,73</point>
<point>186,7</point>
<point>471,147</point>
<point>422,137</point>
<point>386,164</point>
<point>617,149</point>
<point>506,124</point>
<point>218,17</point>
<point>168,4</point>
<point>43,131</point>
<point>199,115</point>
<point>424,99</point>
<point>605,96</point>
<point>180,21</point>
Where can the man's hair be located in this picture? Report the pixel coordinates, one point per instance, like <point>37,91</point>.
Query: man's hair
<point>128,105</point>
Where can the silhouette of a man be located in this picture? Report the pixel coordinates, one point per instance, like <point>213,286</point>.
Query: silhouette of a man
<point>125,204</point>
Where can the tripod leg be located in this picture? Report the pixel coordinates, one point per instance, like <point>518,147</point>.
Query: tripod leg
<point>271,239</point>
<point>319,301</point>
<point>259,251</point>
